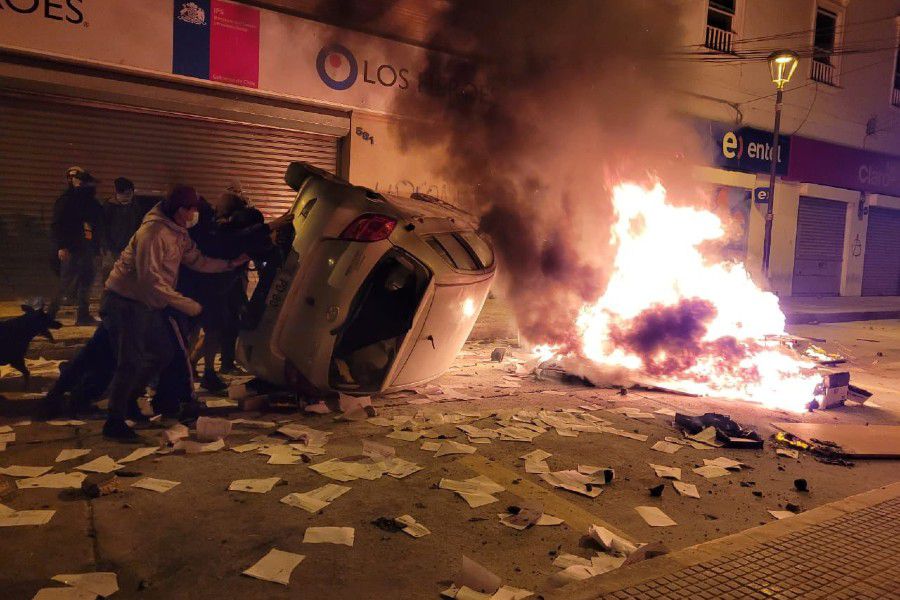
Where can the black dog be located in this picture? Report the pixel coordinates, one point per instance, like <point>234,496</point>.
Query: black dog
<point>16,334</point>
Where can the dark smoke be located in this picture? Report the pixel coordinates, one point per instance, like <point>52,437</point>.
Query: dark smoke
<point>562,99</point>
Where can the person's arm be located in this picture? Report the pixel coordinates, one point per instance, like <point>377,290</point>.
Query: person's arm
<point>58,225</point>
<point>150,256</point>
<point>193,259</point>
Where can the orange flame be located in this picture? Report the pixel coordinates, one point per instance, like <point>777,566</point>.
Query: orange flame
<point>719,318</point>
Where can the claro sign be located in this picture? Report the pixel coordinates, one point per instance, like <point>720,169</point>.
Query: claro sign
<point>65,11</point>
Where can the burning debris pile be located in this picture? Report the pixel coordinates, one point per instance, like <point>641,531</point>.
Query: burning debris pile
<point>673,317</point>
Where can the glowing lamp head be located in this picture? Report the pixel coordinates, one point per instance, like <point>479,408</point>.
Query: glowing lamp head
<point>782,65</point>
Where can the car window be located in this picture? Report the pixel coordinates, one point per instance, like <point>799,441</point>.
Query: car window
<point>481,248</point>
<point>436,245</point>
<point>461,256</point>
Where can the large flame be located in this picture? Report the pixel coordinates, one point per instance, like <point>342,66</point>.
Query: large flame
<point>678,319</point>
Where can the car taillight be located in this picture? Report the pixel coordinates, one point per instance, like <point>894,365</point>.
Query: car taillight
<point>369,228</point>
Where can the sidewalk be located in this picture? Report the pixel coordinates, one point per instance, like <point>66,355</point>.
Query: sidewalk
<point>838,309</point>
<point>846,549</point>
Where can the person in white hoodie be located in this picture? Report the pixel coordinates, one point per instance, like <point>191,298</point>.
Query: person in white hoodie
<point>140,288</point>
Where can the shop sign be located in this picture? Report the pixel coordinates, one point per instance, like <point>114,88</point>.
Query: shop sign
<point>813,161</point>
<point>216,40</point>
<point>747,149</point>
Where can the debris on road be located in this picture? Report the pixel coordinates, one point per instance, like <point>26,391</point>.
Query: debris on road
<point>276,566</point>
<point>254,486</point>
<point>57,481</point>
<point>576,482</point>
<point>103,584</point>
<point>17,518</point>
<point>100,485</point>
<point>781,514</point>
<point>686,489</point>
<point>724,431</point>
<point>788,452</point>
<point>71,454</point>
<point>20,471</point>
<point>155,485</point>
<point>317,499</point>
<point>412,527</point>
<point>667,447</point>
<point>654,516</point>
<point>103,464</point>
<point>329,535</point>
<point>666,472</point>
<point>477,491</point>
<point>711,471</point>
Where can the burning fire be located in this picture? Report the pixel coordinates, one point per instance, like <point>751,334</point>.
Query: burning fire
<point>673,318</point>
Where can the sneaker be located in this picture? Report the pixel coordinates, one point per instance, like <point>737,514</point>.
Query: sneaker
<point>118,429</point>
<point>212,382</point>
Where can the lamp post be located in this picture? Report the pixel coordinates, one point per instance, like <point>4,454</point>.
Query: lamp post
<point>782,65</point>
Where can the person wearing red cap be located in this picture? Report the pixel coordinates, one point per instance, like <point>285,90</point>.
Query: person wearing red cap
<point>139,289</point>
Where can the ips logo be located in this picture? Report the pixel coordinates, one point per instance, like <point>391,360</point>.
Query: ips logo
<point>337,67</point>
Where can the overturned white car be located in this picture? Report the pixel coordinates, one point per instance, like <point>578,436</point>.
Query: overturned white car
<point>377,292</point>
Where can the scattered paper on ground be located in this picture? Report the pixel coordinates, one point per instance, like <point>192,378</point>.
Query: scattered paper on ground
<point>20,471</point>
<point>155,485</point>
<point>104,464</point>
<point>316,499</point>
<point>711,471</point>
<point>610,541</point>
<point>476,577</point>
<point>476,491</point>
<point>666,472</point>
<point>210,429</point>
<point>137,455</point>
<point>667,447</point>
<point>70,454</point>
<point>686,489</point>
<point>100,584</point>
<point>59,481</point>
<point>654,516</point>
<point>574,481</point>
<point>275,566</point>
<point>412,527</point>
<point>255,486</point>
<point>26,517</point>
<point>725,463</point>
<point>781,514</point>
<point>64,593</point>
<point>329,535</point>
<point>789,452</point>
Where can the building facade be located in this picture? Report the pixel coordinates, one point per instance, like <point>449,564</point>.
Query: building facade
<point>211,91</point>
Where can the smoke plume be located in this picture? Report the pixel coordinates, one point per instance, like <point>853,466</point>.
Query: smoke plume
<point>560,101</point>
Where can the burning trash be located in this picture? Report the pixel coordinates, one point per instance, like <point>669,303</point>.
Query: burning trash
<point>675,318</point>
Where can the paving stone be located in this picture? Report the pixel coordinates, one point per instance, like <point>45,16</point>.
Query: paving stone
<point>851,556</point>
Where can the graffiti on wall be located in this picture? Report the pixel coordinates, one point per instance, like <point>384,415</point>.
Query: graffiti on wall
<point>406,188</point>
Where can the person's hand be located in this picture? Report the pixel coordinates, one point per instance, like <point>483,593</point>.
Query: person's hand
<point>63,254</point>
<point>281,221</point>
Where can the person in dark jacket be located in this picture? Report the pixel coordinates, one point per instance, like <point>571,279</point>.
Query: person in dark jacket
<point>76,230</point>
<point>122,216</point>
<point>230,228</point>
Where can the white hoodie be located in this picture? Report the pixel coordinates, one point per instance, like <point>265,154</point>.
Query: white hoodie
<point>147,269</point>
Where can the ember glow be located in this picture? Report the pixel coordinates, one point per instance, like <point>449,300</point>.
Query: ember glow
<point>674,318</point>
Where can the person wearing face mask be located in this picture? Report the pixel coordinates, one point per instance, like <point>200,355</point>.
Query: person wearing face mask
<point>140,288</point>
<point>76,229</point>
<point>121,218</point>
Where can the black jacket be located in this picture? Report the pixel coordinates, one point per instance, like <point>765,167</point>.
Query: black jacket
<point>120,221</point>
<point>77,223</point>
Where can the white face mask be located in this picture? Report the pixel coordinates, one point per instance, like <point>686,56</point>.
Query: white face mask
<point>193,220</point>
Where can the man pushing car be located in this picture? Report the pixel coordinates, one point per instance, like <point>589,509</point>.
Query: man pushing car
<point>140,288</point>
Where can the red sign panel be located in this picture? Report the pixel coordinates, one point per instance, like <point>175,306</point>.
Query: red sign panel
<point>234,44</point>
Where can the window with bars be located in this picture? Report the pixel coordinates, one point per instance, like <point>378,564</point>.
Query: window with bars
<point>824,62</point>
<point>895,93</point>
<point>720,16</point>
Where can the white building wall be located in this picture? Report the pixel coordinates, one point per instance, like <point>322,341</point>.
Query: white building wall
<point>742,93</point>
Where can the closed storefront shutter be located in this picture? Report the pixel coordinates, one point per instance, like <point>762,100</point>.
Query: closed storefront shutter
<point>820,247</point>
<point>42,137</point>
<point>881,267</point>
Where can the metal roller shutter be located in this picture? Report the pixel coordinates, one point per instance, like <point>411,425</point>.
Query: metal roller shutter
<point>820,247</point>
<point>42,137</point>
<point>881,266</point>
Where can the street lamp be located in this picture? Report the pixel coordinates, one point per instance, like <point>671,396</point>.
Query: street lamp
<point>782,65</point>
